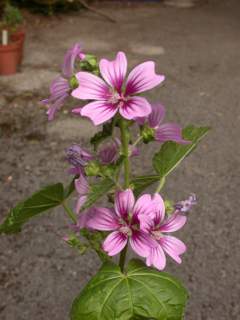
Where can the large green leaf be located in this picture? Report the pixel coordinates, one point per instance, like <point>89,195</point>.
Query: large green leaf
<point>43,200</point>
<point>98,190</point>
<point>171,153</point>
<point>140,293</point>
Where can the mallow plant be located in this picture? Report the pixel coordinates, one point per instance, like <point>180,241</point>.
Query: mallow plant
<point>129,217</point>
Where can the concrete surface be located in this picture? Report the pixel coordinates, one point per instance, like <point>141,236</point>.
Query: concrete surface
<point>198,51</point>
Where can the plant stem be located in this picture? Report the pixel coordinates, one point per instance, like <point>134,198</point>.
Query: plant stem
<point>125,143</point>
<point>161,184</point>
<point>137,141</point>
<point>123,258</point>
<point>69,212</point>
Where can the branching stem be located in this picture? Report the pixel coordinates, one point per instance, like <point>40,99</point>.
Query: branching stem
<point>161,184</point>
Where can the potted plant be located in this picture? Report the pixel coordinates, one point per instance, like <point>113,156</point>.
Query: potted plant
<point>10,52</point>
<point>13,21</point>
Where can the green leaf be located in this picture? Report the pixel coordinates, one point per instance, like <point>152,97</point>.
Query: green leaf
<point>142,182</point>
<point>171,153</point>
<point>97,190</point>
<point>43,200</point>
<point>73,241</point>
<point>141,293</point>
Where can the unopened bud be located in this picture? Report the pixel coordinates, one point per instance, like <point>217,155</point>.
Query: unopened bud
<point>148,134</point>
<point>92,168</point>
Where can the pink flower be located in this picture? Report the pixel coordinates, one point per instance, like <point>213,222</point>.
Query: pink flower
<point>186,205</point>
<point>124,223</point>
<point>109,152</point>
<point>78,157</point>
<point>60,87</point>
<point>111,95</point>
<point>158,227</point>
<point>163,131</point>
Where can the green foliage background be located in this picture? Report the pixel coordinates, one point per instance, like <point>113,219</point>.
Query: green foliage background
<point>47,6</point>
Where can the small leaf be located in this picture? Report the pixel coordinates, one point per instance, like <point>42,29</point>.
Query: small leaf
<point>74,242</point>
<point>141,293</point>
<point>97,191</point>
<point>142,182</point>
<point>43,200</point>
<point>171,153</point>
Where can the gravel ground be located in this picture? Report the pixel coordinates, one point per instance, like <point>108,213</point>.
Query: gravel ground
<point>198,51</point>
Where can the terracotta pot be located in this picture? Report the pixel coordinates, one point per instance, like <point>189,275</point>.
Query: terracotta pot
<point>19,35</point>
<point>9,58</point>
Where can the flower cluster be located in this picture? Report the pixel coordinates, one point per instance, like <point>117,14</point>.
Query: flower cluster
<point>113,99</point>
<point>142,223</point>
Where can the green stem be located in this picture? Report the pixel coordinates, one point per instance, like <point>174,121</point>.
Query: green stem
<point>161,184</point>
<point>125,143</point>
<point>137,141</point>
<point>123,258</point>
<point>69,212</point>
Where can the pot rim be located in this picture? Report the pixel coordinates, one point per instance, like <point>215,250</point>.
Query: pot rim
<point>12,46</point>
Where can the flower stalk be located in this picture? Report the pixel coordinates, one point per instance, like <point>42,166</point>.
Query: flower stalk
<point>70,213</point>
<point>125,143</point>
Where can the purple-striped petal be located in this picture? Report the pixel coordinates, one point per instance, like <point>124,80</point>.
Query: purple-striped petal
<point>143,209</point>
<point>170,132</point>
<point>83,219</point>
<point>114,72</point>
<point>142,78</point>
<point>80,202</point>
<point>124,202</point>
<point>159,208</point>
<point>81,185</point>
<point>109,153</point>
<point>186,205</point>
<point>75,171</point>
<point>98,111</point>
<point>114,243</point>
<point>135,107</point>
<point>77,156</point>
<point>58,86</point>
<point>103,219</point>
<point>174,223</point>
<point>59,92</point>
<point>90,87</point>
<point>173,247</point>
<point>141,243</point>
<point>156,258</point>
<point>157,115</point>
<point>70,58</point>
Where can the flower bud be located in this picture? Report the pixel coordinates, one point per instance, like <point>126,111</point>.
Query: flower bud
<point>92,168</point>
<point>169,208</point>
<point>147,133</point>
<point>73,82</point>
<point>89,63</point>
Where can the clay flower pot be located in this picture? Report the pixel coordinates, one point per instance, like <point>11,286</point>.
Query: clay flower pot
<point>9,58</point>
<point>19,35</point>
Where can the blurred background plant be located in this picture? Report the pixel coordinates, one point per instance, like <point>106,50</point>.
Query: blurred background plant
<point>48,7</point>
<point>11,17</point>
